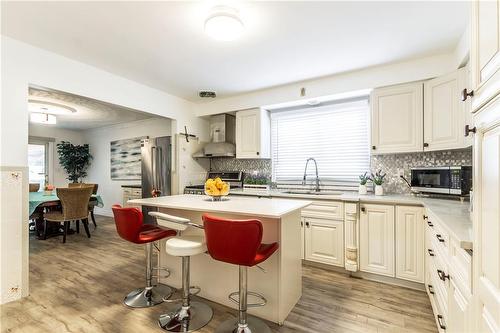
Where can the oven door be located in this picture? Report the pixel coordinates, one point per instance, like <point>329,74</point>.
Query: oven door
<point>435,180</point>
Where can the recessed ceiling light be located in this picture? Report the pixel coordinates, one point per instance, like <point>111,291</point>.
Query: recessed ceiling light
<point>43,118</point>
<point>39,106</point>
<point>224,24</point>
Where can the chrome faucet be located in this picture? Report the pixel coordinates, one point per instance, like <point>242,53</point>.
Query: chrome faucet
<point>305,173</point>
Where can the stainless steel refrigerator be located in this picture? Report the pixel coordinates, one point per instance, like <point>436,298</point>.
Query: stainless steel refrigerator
<point>156,170</point>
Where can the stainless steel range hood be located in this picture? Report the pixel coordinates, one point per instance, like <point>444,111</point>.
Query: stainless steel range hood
<point>222,137</point>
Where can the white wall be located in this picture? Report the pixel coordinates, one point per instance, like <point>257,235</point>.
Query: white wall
<point>379,76</point>
<point>99,140</point>
<point>23,64</point>
<point>57,175</point>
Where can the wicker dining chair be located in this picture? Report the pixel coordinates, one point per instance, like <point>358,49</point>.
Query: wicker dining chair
<point>34,187</point>
<point>75,207</point>
<point>92,203</point>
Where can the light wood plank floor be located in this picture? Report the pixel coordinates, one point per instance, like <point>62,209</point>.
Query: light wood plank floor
<point>78,287</point>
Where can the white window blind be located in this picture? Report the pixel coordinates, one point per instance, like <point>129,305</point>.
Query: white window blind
<point>336,135</point>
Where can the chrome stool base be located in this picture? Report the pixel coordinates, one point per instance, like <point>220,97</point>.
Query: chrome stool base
<point>254,325</point>
<point>145,298</point>
<point>186,319</point>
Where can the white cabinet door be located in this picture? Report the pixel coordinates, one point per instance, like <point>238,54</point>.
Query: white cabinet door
<point>253,139</point>
<point>458,313</point>
<point>444,112</point>
<point>377,239</point>
<point>397,118</point>
<point>410,243</point>
<point>486,262</point>
<point>485,51</point>
<point>324,241</point>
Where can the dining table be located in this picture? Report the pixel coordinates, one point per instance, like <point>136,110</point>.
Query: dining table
<point>41,201</point>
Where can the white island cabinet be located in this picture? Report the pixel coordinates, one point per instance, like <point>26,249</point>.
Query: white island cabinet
<point>281,284</point>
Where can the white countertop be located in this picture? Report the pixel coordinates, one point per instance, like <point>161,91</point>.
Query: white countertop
<point>452,214</point>
<point>250,206</point>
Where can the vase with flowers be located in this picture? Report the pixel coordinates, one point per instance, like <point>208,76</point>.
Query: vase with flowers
<point>48,189</point>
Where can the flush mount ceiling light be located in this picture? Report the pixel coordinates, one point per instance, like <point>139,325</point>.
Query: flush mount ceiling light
<point>43,118</point>
<point>224,24</point>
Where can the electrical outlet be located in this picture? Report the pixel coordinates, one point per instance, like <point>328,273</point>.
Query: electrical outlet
<point>401,172</point>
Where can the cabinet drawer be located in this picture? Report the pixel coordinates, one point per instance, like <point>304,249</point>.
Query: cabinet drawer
<point>460,267</point>
<point>436,232</point>
<point>325,209</point>
<point>437,273</point>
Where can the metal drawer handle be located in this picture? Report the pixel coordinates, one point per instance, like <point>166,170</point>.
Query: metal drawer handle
<point>440,238</point>
<point>429,223</point>
<point>442,275</point>
<point>431,289</point>
<point>431,252</point>
<point>440,322</point>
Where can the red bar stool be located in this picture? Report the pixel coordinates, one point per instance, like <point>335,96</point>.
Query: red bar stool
<point>130,226</point>
<point>238,242</point>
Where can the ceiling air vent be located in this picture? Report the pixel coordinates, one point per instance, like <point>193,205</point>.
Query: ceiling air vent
<point>207,94</point>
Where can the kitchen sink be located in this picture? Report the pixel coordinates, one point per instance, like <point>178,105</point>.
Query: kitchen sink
<point>309,192</point>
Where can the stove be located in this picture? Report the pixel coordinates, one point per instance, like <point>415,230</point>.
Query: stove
<point>234,178</point>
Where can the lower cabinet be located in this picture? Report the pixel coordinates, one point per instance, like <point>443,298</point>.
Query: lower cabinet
<point>458,308</point>
<point>376,239</point>
<point>410,243</point>
<point>324,241</point>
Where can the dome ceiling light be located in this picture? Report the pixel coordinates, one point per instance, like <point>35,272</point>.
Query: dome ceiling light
<point>41,106</point>
<point>224,24</point>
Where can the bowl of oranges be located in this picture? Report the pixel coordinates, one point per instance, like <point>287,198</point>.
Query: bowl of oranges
<point>216,188</point>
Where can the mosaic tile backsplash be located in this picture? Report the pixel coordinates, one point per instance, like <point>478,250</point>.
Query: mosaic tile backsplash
<point>390,164</point>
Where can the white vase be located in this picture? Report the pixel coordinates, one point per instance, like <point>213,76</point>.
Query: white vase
<point>379,190</point>
<point>362,189</point>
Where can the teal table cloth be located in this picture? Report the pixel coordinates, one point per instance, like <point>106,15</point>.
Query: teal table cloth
<point>37,198</point>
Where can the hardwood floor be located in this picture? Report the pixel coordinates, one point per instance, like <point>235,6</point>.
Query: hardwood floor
<point>79,286</point>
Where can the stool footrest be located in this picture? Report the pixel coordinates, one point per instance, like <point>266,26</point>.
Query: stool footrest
<point>235,298</point>
<point>173,300</point>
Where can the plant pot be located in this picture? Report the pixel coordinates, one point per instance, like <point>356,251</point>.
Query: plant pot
<point>362,189</point>
<point>379,190</point>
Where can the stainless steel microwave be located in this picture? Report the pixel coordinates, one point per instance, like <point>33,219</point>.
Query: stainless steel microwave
<point>455,180</point>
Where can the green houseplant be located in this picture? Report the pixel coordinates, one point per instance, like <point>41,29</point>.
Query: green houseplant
<point>75,159</point>
<point>378,180</point>
<point>362,183</point>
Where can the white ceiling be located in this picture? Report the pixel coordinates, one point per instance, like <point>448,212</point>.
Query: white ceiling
<point>90,113</point>
<point>162,44</point>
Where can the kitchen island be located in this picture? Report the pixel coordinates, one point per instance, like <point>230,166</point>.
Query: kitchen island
<point>280,281</point>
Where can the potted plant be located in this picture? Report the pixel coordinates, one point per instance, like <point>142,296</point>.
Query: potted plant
<point>378,180</point>
<point>256,183</point>
<point>74,159</point>
<point>362,183</point>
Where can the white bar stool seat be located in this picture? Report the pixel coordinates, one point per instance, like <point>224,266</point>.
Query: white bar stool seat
<point>186,246</point>
<point>191,315</point>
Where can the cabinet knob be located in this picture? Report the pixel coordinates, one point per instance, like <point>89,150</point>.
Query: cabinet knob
<point>374,147</point>
<point>466,94</point>
<point>301,223</point>
<point>363,209</point>
<point>307,224</point>
<point>426,217</point>
<point>258,153</point>
<point>468,130</point>
<point>426,144</point>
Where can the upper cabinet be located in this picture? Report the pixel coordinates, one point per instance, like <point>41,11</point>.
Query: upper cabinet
<point>445,115</point>
<point>397,118</point>
<point>485,52</point>
<point>253,134</point>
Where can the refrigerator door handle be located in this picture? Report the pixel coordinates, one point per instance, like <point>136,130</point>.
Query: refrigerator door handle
<point>153,167</point>
<point>160,170</point>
